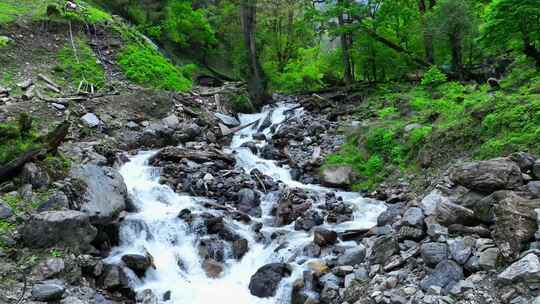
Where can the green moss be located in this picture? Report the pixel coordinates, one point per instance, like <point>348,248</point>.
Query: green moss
<point>16,138</point>
<point>147,67</point>
<point>80,65</point>
<point>386,112</point>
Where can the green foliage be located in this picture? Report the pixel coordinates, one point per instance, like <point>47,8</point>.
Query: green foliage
<point>13,142</point>
<point>187,26</point>
<point>303,73</point>
<point>433,76</point>
<point>55,252</point>
<point>386,112</point>
<point>241,104</point>
<point>149,68</point>
<point>80,65</point>
<point>418,136</point>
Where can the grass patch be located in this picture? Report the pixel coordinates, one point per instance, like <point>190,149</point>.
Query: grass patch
<point>16,138</point>
<point>80,66</point>
<point>149,68</point>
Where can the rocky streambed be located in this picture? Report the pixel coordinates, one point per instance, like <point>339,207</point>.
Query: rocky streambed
<point>247,221</point>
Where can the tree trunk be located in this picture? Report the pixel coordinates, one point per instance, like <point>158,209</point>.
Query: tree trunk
<point>531,51</point>
<point>345,47</point>
<point>257,81</point>
<point>456,48</point>
<point>428,36</point>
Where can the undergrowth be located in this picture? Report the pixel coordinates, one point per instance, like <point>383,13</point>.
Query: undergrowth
<point>79,65</point>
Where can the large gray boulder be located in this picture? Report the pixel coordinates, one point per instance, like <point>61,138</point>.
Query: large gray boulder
<point>446,274</point>
<point>526,269</point>
<point>35,176</point>
<point>48,291</point>
<point>265,281</point>
<point>59,228</point>
<point>102,193</point>
<point>337,176</point>
<point>352,256</point>
<point>488,176</point>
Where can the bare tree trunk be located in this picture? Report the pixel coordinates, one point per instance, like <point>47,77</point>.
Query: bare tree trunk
<point>257,81</point>
<point>345,47</point>
<point>428,36</point>
<point>456,49</point>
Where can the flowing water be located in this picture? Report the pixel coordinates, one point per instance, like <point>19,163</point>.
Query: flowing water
<point>156,228</point>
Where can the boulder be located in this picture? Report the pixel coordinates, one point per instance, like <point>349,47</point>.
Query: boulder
<point>448,213</point>
<point>227,120</point>
<point>113,278</point>
<point>525,270</point>
<point>171,121</point>
<point>308,220</point>
<point>536,169</point>
<point>445,275</point>
<point>249,202</point>
<point>48,291</point>
<point>414,217</point>
<point>139,263</point>
<point>461,249</point>
<point>5,210</point>
<point>337,176</point>
<point>488,176</point>
<point>146,296</point>
<point>212,268</point>
<point>35,176</point>
<point>430,202</point>
<point>324,237</point>
<point>434,253</point>
<point>515,225</point>
<point>57,201</point>
<point>99,192</point>
<point>59,228</point>
<point>239,248</point>
<point>383,248</point>
<point>524,160</point>
<point>90,120</point>
<point>265,281</point>
<point>352,256</point>
<point>534,188</point>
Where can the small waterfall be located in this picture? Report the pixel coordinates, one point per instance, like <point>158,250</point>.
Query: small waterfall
<point>157,229</point>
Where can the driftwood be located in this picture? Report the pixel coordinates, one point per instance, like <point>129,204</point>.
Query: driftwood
<point>244,216</point>
<point>354,234</point>
<point>50,142</point>
<point>176,154</point>
<point>236,129</point>
<point>51,84</point>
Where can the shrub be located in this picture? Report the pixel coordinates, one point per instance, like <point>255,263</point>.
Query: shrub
<point>81,66</point>
<point>417,136</point>
<point>386,112</point>
<point>148,67</point>
<point>433,76</point>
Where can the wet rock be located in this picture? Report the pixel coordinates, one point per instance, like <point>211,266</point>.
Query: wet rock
<point>90,120</point>
<point>259,136</point>
<point>113,278</point>
<point>414,217</point>
<point>265,281</point>
<point>330,294</point>
<point>5,210</point>
<point>48,291</point>
<point>352,256</point>
<point>146,296</point>
<point>392,213</point>
<point>309,220</point>
<point>212,268</point>
<point>324,237</point>
<point>318,267</point>
<point>446,274</point>
<point>383,248</point>
<point>337,176</point>
<point>212,248</point>
<point>249,202</point>
<point>489,175</point>
<point>139,263</point>
<point>98,191</point>
<point>292,204</point>
<point>312,250</point>
<point>251,146</point>
<point>240,247</point>
<point>524,160</point>
<point>410,233</point>
<point>227,120</point>
<point>59,228</point>
<point>536,169</point>
<point>434,253</point>
<point>526,269</point>
<point>35,176</point>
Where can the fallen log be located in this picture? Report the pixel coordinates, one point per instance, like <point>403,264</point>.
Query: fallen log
<point>234,130</point>
<point>176,154</point>
<point>49,143</point>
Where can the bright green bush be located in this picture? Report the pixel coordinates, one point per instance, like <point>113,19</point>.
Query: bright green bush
<point>187,26</point>
<point>15,139</point>
<point>417,136</point>
<point>433,76</point>
<point>80,65</point>
<point>149,68</point>
<point>388,111</point>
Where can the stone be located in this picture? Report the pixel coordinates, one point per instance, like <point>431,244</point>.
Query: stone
<point>212,268</point>
<point>337,176</point>
<point>249,202</point>
<point>59,107</point>
<point>383,248</point>
<point>57,201</point>
<point>414,216</point>
<point>524,160</point>
<point>90,120</point>
<point>392,213</point>
<point>534,188</point>
<point>536,169</point>
<point>48,291</point>
<point>434,253</point>
<point>113,278</point>
<point>343,270</point>
<point>59,228</point>
<point>146,296</point>
<point>51,267</point>
<point>515,225</point>
<point>35,176</point>
<point>352,256</point>
<point>461,287</point>
<point>410,127</point>
<point>448,213</point>
<point>324,237</point>
<point>461,249</point>
<point>410,233</point>
<point>99,192</point>
<point>487,258</point>
<point>5,210</point>
<point>265,281</point>
<point>227,120</point>
<point>488,176</point>
<point>527,270</point>
<point>239,248</point>
<point>319,267</point>
<point>435,230</point>
<point>139,263</point>
<point>430,202</point>
<point>445,275</point>
<point>171,122</point>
